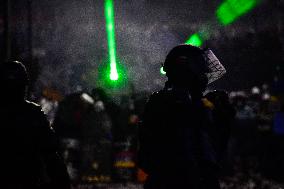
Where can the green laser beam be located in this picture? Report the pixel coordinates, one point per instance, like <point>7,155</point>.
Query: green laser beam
<point>231,10</point>
<point>195,40</point>
<point>110,28</point>
<point>227,12</point>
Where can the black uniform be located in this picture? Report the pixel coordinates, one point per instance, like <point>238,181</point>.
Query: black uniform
<point>29,150</point>
<point>28,145</point>
<point>175,147</point>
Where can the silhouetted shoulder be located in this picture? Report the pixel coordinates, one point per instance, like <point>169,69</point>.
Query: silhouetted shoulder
<point>154,104</point>
<point>35,109</point>
<point>33,106</point>
<point>38,116</point>
<point>157,96</point>
<point>46,138</point>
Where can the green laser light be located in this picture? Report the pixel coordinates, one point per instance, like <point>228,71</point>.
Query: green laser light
<point>162,71</point>
<point>230,10</point>
<point>110,28</point>
<point>195,40</point>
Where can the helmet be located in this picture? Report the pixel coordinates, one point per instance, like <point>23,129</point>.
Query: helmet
<point>13,72</point>
<point>194,59</point>
<point>13,80</point>
<point>185,54</point>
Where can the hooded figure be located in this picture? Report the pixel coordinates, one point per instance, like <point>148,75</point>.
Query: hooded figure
<point>28,145</point>
<point>175,149</point>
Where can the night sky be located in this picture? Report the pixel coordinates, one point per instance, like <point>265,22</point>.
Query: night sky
<point>69,40</point>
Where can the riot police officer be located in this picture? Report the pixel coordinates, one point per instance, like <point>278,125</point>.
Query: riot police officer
<point>29,158</point>
<point>175,149</point>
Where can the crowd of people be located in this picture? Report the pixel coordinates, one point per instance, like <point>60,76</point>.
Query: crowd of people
<point>98,136</point>
<point>254,156</point>
<point>184,136</point>
<point>255,148</point>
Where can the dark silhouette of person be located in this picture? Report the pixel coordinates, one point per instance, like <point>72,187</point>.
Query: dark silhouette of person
<point>175,146</point>
<point>29,158</point>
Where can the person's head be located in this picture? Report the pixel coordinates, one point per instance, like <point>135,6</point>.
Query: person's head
<point>13,81</point>
<point>192,68</point>
<point>185,66</point>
